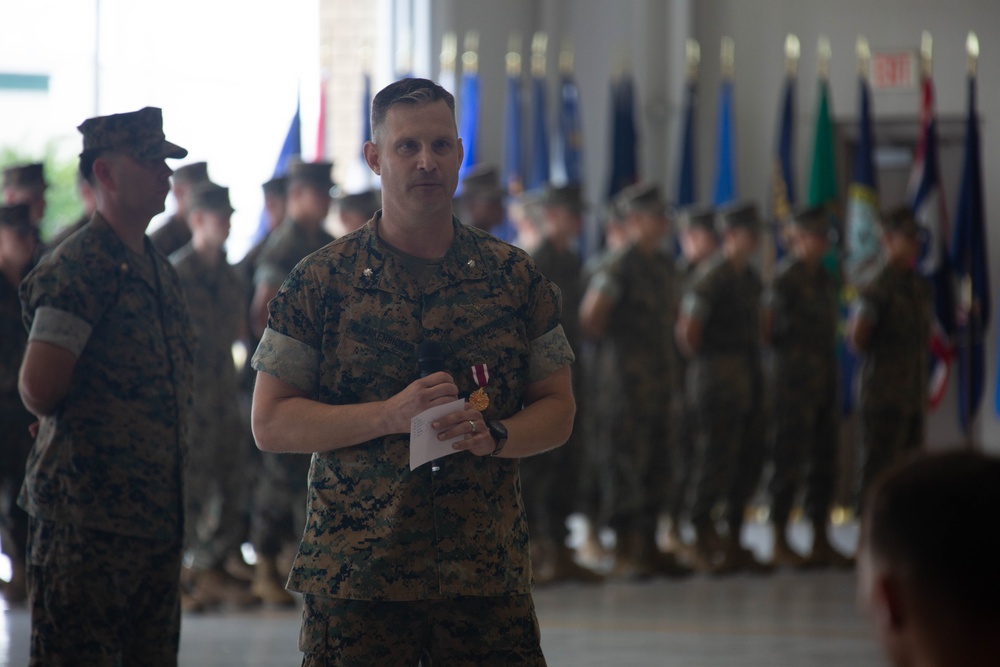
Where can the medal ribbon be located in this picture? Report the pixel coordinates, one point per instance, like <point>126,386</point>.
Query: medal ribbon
<point>480,374</point>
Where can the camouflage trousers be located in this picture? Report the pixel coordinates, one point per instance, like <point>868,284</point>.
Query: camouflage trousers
<point>100,599</point>
<point>278,511</point>
<point>888,435</point>
<point>640,463</point>
<point>451,632</point>
<point>804,453</point>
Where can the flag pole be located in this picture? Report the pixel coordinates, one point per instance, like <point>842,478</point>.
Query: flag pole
<point>969,306</point>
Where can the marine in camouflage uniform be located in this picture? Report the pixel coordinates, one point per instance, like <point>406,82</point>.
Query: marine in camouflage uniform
<point>634,300</point>
<point>550,483</point>
<point>394,561</point>
<point>801,316</point>
<point>216,477</point>
<point>891,326</point>
<point>278,506</point>
<point>18,242</point>
<point>726,385</point>
<point>175,233</point>
<point>104,477</point>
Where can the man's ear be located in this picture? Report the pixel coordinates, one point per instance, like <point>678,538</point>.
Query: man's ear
<point>889,604</point>
<point>102,172</point>
<point>372,157</point>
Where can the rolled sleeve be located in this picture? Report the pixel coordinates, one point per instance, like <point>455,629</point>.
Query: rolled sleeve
<point>60,328</point>
<point>289,360</point>
<point>549,352</point>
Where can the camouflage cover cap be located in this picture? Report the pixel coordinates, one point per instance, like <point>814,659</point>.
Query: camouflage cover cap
<point>900,221</point>
<point>482,180</point>
<point>17,216</point>
<point>137,133</point>
<point>640,197</point>
<point>366,202</point>
<point>210,197</point>
<point>311,173</point>
<point>276,186</point>
<point>569,196</point>
<point>695,216</point>
<point>812,220</point>
<point>736,215</point>
<point>193,172</point>
<point>25,175</point>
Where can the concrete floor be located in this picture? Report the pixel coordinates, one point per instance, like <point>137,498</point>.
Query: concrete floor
<point>789,618</point>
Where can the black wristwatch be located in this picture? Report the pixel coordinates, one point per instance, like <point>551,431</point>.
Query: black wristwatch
<point>499,433</point>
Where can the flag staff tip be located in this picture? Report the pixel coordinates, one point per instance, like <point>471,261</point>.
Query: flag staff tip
<point>539,45</point>
<point>728,57</point>
<point>449,51</point>
<point>972,51</point>
<point>792,51</point>
<point>926,52</point>
<point>692,56</point>
<point>566,57</point>
<point>864,55</point>
<point>823,55</point>
<point>470,59</point>
<point>514,55</point>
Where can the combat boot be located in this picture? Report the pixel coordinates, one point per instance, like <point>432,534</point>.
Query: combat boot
<point>564,568</point>
<point>630,560</point>
<point>784,555</point>
<point>591,552</point>
<point>216,587</point>
<point>266,584</point>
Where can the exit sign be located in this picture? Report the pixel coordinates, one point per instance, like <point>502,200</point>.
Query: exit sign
<point>894,70</point>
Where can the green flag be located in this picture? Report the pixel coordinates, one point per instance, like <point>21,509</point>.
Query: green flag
<point>823,175</point>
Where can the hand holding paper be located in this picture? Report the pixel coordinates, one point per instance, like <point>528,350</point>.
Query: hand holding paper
<point>424,444</point>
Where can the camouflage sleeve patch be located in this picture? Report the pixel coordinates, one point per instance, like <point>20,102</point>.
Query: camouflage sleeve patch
<point>549,352</point>
<point>65,330</point>
<point>291,361</point>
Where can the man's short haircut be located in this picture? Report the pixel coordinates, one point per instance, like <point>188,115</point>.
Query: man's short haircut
<point>934,520</point>
<point>406,91</point>
<point>87,164</point>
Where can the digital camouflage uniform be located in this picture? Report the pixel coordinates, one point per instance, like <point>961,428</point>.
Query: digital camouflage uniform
<point>894,368</point>
<point>550,483</point>
<point>806,308</point>
<point>726,385</point>
<point>279,499</point>
<point>104,477</point>
<point>345,328</point>
<point>216,299</point>
<point>15,441</point>
<point>642,290</point>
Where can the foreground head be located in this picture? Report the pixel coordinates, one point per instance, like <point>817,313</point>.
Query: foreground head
<point>124,157</point>
<point>927,565</point>
<point>415,148</point>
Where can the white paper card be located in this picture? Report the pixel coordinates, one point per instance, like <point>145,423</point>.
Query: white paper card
<point>424,443</point>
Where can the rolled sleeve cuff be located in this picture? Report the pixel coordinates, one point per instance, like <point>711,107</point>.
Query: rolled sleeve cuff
<point>289,360</point>
<point>549,352</point>
<point>694,306</point>
<point>60,328</point>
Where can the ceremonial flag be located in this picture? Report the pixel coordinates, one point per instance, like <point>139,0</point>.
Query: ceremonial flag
<point>726,189</point>
<point>290,149</point>
<point>366,112</point>
<point>624,138</point>
<point>823,173</point>
<point>927,204</point>
<point>539,174</point>
<point>321,129</point>
<point>971,272</point>
<point>570,139</point>
<point>468,124</point>
<point>863,249</point>
<point>513,155</point>
<point>686,176</point>
<point>783,177</point>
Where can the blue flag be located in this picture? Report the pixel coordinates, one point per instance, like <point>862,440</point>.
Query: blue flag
<point>725,189</point>
<point>539,174</point>
<point>687,192</point>
<point>366,112</point>
<point>972,273</point>
<point>513,154</point>
<point>783,184</point>
<point>570,146</point>
<point>624,137</point>
<point>863,247</point>
<point>291,148</point>
<point>468,122</point>
<point>927,203</point>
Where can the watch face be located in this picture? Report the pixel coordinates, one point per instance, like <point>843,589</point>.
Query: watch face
<point>498,430</point>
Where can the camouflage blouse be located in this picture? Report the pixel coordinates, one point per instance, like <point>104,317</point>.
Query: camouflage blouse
<point>345,328</point>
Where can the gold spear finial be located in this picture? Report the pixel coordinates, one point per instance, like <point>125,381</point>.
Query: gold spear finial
<point>539,45</point>
<point>972,52</point>
<point>823,55</point>
<point>692,56</point>
<point>864,56</point>
<point>566,57</point>
<point>728,57</point>
<point>449,51</point>
<point>926,53</point>
<point>792,51</point>
<point>514,55</point>
<point>470,58</point>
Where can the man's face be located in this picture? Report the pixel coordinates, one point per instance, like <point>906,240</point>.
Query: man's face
<point>417,156</point>
<point>215,227</point>
<point>140,186</point>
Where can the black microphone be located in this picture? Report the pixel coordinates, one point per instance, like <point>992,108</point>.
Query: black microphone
<point>430,357</point>
<point>430,360</point>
